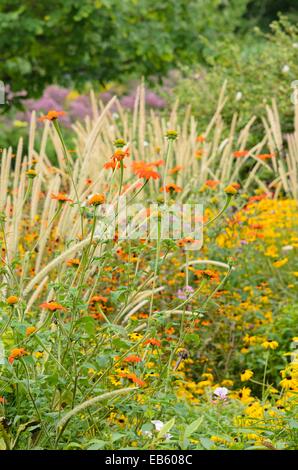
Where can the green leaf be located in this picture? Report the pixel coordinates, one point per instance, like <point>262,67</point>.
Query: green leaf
<point>206,443</point>
<point>97,444</point>
<point>166,428</point>
<point>192,427</point>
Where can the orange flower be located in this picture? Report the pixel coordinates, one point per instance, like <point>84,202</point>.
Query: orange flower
<point>30,330</point>
<point>212,183</point>
<point>52,115</point>
<point>169,188</point>
<point>240,153</point>
<point>200,138</point>
<point>2,400</point>
<point>96,200</point>
<point>147,174</point>
<point>266,156</point>
<point>212,275</point>
<point>113,165</point>
<point>133,358</point>
<point>133,378</point>
<point>198,154</point>
<point>61,197</point>
<point>15,353</point>
<point>98,298</point>
<point>120,154</point>
<point>12,300</point>
<point>146,170</point>
<point>175,169</point>
<point>259,197</point>
<point>153,342</point>
<point>52,306</point>
<point>73,262</point>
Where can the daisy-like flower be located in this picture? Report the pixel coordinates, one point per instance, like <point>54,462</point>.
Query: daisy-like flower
<point>96,200</point>
<point>133,378</point>
<point>230,190</point>
<point>280,263</point>
<point>30,330</point>
<point>133,358</point>
<point>146,170</point>
<point>175,170</point>
<point>270,344</point>
<point>12,300</point>
<point>113,165</point>
<point>61,197</point>
<point>153,342</point>
<point>120,154</point>
<point>52,306</point>
<point>171,188</point>
<point>211,183</point>
<point>52,115</point>
<point>16,353</point>
<point>73,262</point>
<point>246,375</point>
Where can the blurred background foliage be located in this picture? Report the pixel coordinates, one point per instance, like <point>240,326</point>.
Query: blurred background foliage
<point>184,49</point>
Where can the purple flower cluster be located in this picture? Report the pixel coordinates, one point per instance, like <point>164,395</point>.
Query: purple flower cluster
<point>58,98</point>
<point>184,293</point>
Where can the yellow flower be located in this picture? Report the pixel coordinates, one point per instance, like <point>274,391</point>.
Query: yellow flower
<point>280,263</point>
<point>270,344</point>
<point>230,190</point>
<point>12,300</point>
<point>246,375</point>
<point>227,383</point>
<point>289,382</point>
<point>30,330</point>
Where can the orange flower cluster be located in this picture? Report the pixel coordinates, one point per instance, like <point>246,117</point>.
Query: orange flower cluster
<point>133,378</point>
<point>146,170</point>
<point>16,353</point>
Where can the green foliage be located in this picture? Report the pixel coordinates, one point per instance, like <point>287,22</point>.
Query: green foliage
<point>261,67</point>
<point>76,41</point>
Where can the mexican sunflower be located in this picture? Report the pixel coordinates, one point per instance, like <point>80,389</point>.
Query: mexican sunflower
<point>52,306</point>
<point>120,154</point>
<point>96,200</point>
<point>16,353</point>
<point>171,188</point>
<point>146,170</point>
<point>153,342</point>
<point>240,153</point>
<point>61,197</point>
<point>52,115</point>
<point>133,378</point>
<point>133,358</point>
<point>212,183</point>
